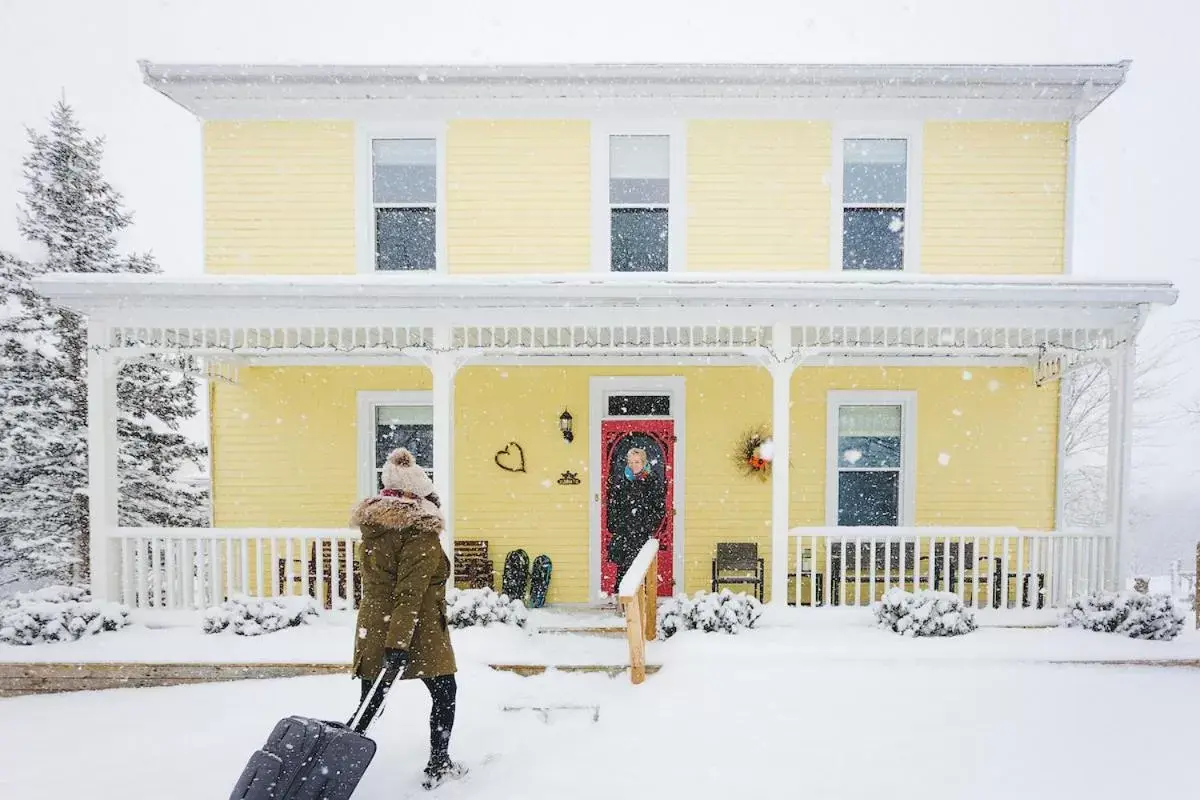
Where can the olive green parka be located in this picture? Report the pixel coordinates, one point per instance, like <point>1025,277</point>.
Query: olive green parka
<point>404,573</point>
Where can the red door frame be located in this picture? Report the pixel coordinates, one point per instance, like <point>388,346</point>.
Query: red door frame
<point>662,432</point>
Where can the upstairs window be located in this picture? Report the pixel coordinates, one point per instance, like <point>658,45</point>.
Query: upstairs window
<point>874,203</point>
<point>404,199</point>
<point>639,191</point>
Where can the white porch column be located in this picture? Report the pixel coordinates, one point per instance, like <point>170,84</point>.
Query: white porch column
<point>103,562</point>
<point>1121,370</point>
<point>443,367</point>
<point>781,436</point>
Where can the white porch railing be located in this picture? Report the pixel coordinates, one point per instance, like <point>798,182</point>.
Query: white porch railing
<point>195,568</point>
<point>999,568</point>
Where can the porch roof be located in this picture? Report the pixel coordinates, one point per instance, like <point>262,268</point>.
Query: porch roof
<point>134,297</point>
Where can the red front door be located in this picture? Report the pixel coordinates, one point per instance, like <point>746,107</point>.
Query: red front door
<point>657,438</point>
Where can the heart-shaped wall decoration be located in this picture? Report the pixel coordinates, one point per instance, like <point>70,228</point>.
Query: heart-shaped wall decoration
<point>509,460</point>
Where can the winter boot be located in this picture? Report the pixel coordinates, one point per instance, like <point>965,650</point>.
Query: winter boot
<point>439,772</point>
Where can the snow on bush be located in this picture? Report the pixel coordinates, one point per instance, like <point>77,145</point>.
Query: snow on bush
<point>254,616</point>
<point>57,614</point>
<point>1138,616</point>
<point>469,607</point>
<point>709,612</point>
<point>923,613</point>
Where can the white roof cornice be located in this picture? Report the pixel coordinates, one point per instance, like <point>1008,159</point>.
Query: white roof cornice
<point>216,90</point>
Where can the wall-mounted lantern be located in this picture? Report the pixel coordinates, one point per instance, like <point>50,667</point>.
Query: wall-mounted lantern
<point>564,425</point>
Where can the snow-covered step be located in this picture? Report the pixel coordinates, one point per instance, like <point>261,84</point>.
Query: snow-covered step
<point>596,630</point>
<point>529,670</point>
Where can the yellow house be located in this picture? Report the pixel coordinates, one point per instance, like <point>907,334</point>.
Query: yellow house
<point>522,272</point>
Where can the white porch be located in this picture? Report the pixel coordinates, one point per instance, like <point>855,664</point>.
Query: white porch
<point>779,323</point>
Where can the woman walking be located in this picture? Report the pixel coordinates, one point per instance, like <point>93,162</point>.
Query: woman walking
<point>402,619</point>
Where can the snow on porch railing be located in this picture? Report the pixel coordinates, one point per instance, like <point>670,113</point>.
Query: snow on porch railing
<point>195,568</point>
<point>999,568</point>
<point>638,593</point>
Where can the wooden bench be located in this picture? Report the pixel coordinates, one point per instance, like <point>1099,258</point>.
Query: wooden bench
<point>472,564</point>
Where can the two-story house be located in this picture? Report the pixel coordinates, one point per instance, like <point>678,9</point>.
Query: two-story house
<point>523,272</point>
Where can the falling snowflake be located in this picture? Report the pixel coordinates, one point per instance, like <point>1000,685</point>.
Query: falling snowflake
<point>896,225</point>
<point>967,375</point>
<point>957,412</point>
<point>943,459</point>
<point>852,456</point>
<point>993,385</point>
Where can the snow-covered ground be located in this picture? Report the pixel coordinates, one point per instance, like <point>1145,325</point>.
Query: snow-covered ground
<point>832,711</point>
<point>791,634</point>
<point>813,704</point>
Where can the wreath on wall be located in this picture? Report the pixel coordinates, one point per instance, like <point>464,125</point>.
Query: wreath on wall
<point>754,453</point>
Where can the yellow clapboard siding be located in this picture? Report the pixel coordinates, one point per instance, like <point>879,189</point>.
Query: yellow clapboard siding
<point>285,443</point>
<point>513,186</point>
<point>758,195</point>
<point>531,511</point>
<point>285,453</point>
<point>1001,444</point>
<point>279,197</point>
<point>994,198</point>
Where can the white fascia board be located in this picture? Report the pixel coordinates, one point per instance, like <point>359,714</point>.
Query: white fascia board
<point>108,291</point>
<point>205,88</point>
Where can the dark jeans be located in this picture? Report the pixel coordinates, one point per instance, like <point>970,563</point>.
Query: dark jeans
<point>443,691</point>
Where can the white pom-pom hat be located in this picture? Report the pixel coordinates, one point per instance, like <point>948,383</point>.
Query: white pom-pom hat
<point>401,473</point>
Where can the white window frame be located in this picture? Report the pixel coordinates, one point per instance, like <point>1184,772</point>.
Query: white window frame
<point>676,130</point>
<point>367,404</point>
<point>366,134</point>
<point>912,132</point>
<point>907,400</point>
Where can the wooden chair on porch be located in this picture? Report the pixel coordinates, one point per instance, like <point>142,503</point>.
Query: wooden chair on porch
<point>738,563</point>
<point>308,576</point>
<point>472,564</point>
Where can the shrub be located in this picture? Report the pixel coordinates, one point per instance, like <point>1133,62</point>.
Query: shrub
<point>1138,616</point>
<point>923,613</point>
<point>466,608</point>
<point>709,612</point>
<point>254,616</point>
<point>57,614</point>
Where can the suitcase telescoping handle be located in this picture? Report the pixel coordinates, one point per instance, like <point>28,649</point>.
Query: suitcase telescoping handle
<point>369,706</point>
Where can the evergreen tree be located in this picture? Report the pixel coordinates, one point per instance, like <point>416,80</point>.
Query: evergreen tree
<point>75,215</point>
<point>43,458</point>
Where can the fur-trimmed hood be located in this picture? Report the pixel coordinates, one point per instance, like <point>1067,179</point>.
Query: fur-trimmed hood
<point>379,515</point>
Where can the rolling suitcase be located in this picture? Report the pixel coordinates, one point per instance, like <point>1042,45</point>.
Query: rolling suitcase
<point>313,759</point>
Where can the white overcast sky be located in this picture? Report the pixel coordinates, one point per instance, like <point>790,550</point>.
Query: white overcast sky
<point>1136,214</point>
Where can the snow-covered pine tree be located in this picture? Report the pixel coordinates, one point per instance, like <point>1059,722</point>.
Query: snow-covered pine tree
<point>42,453</point>
<point>74,214</point>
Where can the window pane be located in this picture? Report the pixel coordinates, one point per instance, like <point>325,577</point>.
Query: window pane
<point>639,169</point>
<point>639,240</point>
<point>873,238</point>
<point>405,238</point>
<point>869,436</point>
<point>875,171</point>
<point>868,498</point>
<point>639,405</point>
<point>404,426</point>
<point>404,170</point>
